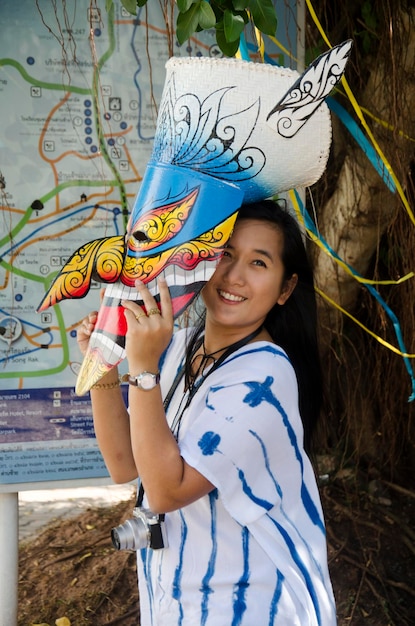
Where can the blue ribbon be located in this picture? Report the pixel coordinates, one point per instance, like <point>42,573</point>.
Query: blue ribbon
<point>363,142</point>
<point>380,167</point>
<point>309,224</point>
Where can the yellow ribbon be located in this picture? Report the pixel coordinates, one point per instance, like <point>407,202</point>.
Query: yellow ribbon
<point>360,279</point>
<point>283,48</point>
<point>360,115</point>
<point>260,42</point>
<point>379,339</point>
<point>342,264</point>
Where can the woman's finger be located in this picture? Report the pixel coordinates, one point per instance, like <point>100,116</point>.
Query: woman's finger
<point>85,330</point>
<point>133,309</point>
<point>89,322</point>
<point>149,306</point>
<point>166,304</point>
<point>148,300</point>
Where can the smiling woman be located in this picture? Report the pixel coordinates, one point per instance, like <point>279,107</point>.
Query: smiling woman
<point>234,526</point>
<point>248,281</point>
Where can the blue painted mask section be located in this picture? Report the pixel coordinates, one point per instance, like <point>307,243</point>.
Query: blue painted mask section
<point>163,184</point>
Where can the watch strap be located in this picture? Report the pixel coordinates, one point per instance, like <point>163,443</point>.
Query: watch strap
<point>136,381</point>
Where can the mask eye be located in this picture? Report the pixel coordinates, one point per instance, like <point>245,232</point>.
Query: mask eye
<point>140,237</point>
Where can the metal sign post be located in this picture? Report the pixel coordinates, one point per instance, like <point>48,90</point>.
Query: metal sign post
<point>9,550</point>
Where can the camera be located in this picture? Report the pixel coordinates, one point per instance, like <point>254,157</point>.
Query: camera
<point>144,530</point>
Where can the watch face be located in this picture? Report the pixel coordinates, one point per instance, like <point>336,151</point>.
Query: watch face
<point>147,380</point>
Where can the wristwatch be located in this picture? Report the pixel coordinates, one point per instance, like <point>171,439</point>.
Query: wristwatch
<point>145,380</point>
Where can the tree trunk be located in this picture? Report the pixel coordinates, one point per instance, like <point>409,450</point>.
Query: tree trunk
<point>362,207</point>
<point>368,227</point>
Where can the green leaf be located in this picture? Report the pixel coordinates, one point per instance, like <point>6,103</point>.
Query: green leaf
<point>108,5</point>
<point>184,5</point>
<point>187,23</point>
<point>130,6</point>
<point>264,16</point>
<point>141,3</point>
<point>240,5</point>
<point>368,15</point>
<point>207,17</point>
<point>229,48</point>
<point>233,25</point>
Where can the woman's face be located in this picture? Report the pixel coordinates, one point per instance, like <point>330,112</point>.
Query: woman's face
<point>249,279</point>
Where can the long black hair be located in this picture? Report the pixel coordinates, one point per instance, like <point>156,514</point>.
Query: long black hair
<point>293,325</point>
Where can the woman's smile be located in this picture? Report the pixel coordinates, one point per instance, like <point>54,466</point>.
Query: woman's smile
<point>249,279</point>
<point>230,297</point>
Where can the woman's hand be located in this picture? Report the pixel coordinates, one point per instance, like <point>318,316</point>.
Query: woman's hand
<point>86,328</point>
<point>85,331</point>
<point>149,329</point>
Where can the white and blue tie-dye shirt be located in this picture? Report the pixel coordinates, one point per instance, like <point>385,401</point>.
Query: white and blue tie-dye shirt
<point>252,552</point>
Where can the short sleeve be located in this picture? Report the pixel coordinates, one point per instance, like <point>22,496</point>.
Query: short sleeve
<point>247,436</point>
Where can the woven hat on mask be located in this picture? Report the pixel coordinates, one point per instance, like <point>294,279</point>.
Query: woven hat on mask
<point>229,132</point>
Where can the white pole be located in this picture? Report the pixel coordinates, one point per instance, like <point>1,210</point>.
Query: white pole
<point>9,557</point>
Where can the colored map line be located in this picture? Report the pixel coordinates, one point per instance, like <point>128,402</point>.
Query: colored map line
<point>31,238</point>
<point>97,111</point>
<point>34,226</point>
<point>36,373</point>
<point>42,83</point>
<point>30,241</point>
<point>56,190</point>
<point>16,229</point>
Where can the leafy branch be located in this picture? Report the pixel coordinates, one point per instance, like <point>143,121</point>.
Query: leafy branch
<point>228,17</point>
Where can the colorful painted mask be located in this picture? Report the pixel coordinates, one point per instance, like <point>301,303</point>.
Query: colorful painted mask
<point>228,132</point>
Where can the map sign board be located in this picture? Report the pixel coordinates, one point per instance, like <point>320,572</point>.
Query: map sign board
<point>79,88</point>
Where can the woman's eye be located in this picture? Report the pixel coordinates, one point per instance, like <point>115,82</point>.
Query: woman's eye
<point>260,263</point>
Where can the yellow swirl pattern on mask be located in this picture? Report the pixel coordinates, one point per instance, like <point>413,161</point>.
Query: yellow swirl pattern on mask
<point>101,259</point>
<point>187,255</point>
<point>158,226</point>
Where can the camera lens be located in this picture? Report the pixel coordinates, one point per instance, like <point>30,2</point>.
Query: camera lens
<point>132,535</point>
<point>115,538</point>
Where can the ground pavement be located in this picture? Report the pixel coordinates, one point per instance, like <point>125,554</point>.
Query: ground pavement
<point>39,508</point>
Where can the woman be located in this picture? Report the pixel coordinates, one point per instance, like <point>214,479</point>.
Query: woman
<point>224,456</point>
